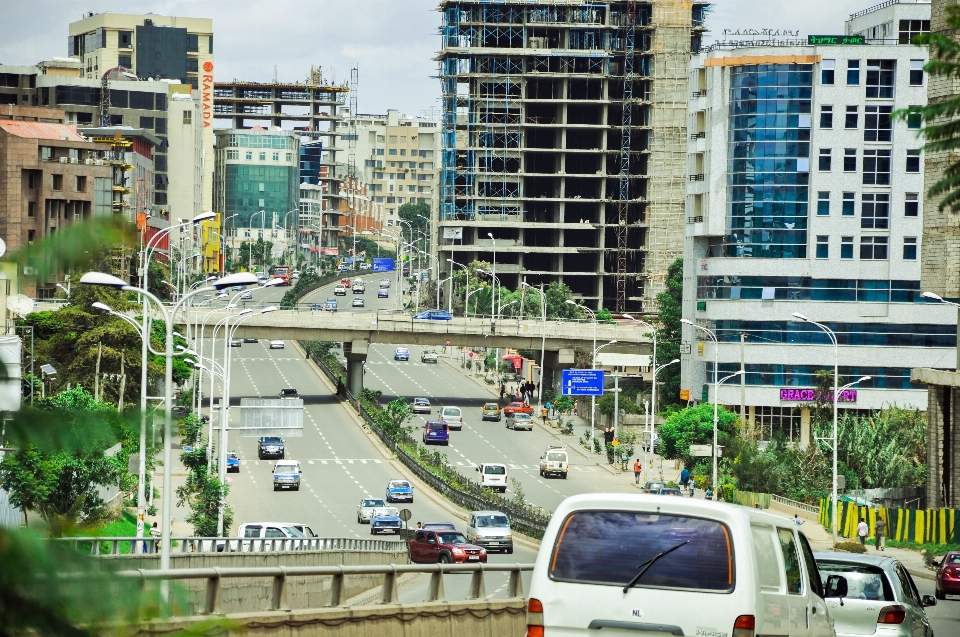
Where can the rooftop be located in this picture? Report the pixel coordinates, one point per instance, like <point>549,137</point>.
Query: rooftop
<point>884,5</point>
<point>42,130</point>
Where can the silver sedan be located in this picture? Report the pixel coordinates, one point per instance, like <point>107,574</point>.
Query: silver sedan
<point>366,509</point>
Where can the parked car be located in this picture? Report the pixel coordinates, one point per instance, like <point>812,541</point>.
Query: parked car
<point>654,487</point>
<point>948,575</point>
<point>384,283</point>
<point>491,411</point>
<point>749,572</point>
<point>493,475</point>
<point>444,547</point>
<point>421,405</point>
<point>340,290</point>
<point>399,491</point>
<point>330,305</point>
<point>289,392</point>
<point>286,475</point>
<point>874,583</point>
<point>401,354</point>
<point>270,447</point>
<point>386,519</point>
<point>428,356</point>
<point>250,339</point>
<point>554,462</point>
<point>236,342</point>
<point>517,407</point>
<point>383,294</point>
<point>434,315</point>
<point>367,507</point>
<point>436,432</point>
<point>491,530</point>
<point>517,421</point>
<point>453,416</point>
<point>358,301</point>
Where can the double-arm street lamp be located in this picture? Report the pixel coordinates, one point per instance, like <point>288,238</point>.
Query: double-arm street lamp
<point>543,335</point>
<point>466,273</point>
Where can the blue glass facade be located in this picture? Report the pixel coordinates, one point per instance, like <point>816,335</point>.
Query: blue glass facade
<point>768,161</point>
<point>806,375</point>
<point>310,155</point>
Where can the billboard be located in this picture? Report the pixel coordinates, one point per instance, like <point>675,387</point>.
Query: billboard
<point>582,382</point>
<point>383,265</point>
<point>453,233</point>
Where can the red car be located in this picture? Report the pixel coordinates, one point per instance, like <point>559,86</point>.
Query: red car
<point>948,575</point>
<point>444,547</point>
<point>517,408</point>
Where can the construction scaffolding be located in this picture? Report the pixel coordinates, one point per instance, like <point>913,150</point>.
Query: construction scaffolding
<point>564,138</point>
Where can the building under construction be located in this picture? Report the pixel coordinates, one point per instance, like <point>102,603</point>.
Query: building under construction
<point>564,139</point>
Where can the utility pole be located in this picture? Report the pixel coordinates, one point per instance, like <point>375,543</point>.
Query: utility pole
<point>96,378</point>
<point>123,382</point>
<point>743,389</point>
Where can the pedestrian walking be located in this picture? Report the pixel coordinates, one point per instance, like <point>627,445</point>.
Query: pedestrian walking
<point>684,477</point>
<point>880,530</point>
<point>502,391</point>
<point>155,532</point>
<point>636,471</point>
<point>607,435</point>
<point>862,531</point>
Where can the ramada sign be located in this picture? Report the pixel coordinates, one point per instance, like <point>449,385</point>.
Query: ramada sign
<point>811,395</point>
<point>206,94</point>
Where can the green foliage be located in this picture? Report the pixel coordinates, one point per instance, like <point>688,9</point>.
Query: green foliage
<point>367,247</point>
<point>849,547</point>
<point>563,404</point>
<point>781,469</point>
<point>306,280</point>
<point>411,212</point>
<point>261,253</point>
<point>887,449</point>
<point>519,497</point>
<point>399,412</point>
<point>604,316</point>
<point>669,335</point>
<point>942,117</point>
<point>694,426</point>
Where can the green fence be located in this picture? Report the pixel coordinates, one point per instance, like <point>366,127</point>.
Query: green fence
<point>750,499</point>
<point>924,526</point>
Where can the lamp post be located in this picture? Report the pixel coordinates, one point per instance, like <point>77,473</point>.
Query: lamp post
<point>494,272</point>
<point>466,300</point>
<point>493,293</point>
<point>466,273</point>
<point>108,280</point>
<point>936,297</point>
<point>593,400</point>
<point>263,221</point>
<point>506,305</point>
<point>653,408</point>
<point>543,335</point>
<point>716,391</point>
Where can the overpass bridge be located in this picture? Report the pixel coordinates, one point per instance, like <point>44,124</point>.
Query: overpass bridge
<point>358,330</point>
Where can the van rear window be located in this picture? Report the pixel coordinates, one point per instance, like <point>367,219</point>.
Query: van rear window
<point>609,547</point>
<point>435,426</point>
<point>495,470</point>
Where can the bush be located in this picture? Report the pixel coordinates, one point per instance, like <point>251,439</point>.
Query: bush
<point>566,426</point>
<point>850,547</point>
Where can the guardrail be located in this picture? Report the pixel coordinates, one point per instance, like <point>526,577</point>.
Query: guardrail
<point>189,544</point>
<point>388,595</point>
<point>796,505</point>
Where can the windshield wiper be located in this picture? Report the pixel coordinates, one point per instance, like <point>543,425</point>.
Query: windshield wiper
<point>646,565</point>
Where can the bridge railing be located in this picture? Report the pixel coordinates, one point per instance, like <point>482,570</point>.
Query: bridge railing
<point>389,593</point>
<point>189,544</point>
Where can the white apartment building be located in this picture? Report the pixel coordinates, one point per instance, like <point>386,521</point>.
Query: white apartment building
<point>804,195</point>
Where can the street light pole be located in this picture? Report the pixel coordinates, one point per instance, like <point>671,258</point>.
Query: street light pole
<point>494,271</point>
<point>593,399</point>
<point>716,391</point>
<point>543,335</point>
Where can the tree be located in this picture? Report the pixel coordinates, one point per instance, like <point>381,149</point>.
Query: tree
<point>399,412</point>
<point>669,334</point>
<point>694,426</point>
<point>942,116</point>
<point>414,213</point>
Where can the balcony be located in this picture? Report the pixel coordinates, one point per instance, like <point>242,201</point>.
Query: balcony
<point>697,177</point>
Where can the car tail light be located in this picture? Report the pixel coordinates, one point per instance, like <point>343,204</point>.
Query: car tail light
<point>744,626</point>
<point>892,614</point>
<point>534,618</point>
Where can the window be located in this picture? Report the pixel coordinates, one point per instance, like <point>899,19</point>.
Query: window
<point>849,160</point>
<point>193,65</point>
<point>56,182</point>
<point>846,247</point>
<point>876,124</point>
<point>916,72</point>
<point>403,151</point>
<point>880,78</point>
<point>289,156</point>
<point>234,154</point>
<point>824,160</point>
<point>393,151</point>
<point>853,113</point>
<point>125,61</point>
<point>823,203</point>
<point>873,248</point>
<point>276,157</point>
<point>853,72</point>
<point>378,175</point>
<point>876,167</point>
<point>380,151</point>
<point>791,562</point>
<point>911,205</point>
<point>826,71</point>
<point>913,161</point>
<point>81,183</point>
<point>909,248</point>
<point>30,234</point>
<point>249,155</point>
<point>263,157</point>
<point>393,139</point>
<point>124,39</point>
<point>823,246</point>
<point>31,208</point>
<point>32,178</point>
<point>187,117</point>
<point>911,28</point>
<point>914,117</point>
<point>160,126</point>
<point>875,211</point>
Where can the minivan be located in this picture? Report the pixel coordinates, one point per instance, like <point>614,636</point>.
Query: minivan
<point>453,416</point>
<point>491,530</point>
<point>436,432</point>
<point>494,476</point>
<point>286,475</point>
<point>677,566</point>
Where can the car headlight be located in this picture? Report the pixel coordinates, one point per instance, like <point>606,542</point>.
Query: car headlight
<point>457,551</point>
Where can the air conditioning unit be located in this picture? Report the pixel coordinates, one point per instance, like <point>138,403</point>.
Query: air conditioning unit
<point>98,162</point>
<point>63,160</point>
<point>88,161</point>
<point>74,160</point>
<point>28,271</point>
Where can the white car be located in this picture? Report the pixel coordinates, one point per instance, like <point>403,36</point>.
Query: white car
<point>276,344</point>
<point>358,301</point>
<point>384,283</point>
<point>453,416</point>
<point>367,508</point>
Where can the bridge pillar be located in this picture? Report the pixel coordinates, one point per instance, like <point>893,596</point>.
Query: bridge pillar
<point>553,361</point>
<point>356,354</point>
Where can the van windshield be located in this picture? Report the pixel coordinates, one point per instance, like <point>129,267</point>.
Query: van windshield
<point>494,470</point>
<point>285,469</point>
<point>492,521</point>
<point>606,547</point>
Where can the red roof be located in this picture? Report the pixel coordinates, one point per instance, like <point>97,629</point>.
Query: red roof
<point>41,130</point>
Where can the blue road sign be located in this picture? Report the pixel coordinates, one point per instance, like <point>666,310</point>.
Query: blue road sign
<point>582,382</point>
<point>383,265</point>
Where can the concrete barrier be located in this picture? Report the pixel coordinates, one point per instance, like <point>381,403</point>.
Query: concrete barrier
<point>239,595</point>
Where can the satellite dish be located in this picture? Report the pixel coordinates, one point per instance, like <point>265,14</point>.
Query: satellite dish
<point>20,304</point>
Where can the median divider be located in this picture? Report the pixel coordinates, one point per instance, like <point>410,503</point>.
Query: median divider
<point>432,467</point>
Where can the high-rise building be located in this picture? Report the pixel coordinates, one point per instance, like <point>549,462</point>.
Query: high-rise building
<point>564,138</point>
<point>806,196</point>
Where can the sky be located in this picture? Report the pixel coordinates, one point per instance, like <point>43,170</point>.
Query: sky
<point>391,42</point>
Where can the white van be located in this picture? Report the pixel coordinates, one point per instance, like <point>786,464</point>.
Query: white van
<point>674,566</point>
<point>286,475</point>
<point>491,530</point>
<point>494,476</point>
<point>554,462</point>
<point>453,416</point>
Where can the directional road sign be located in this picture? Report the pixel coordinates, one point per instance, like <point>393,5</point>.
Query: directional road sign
<point>582,382</point>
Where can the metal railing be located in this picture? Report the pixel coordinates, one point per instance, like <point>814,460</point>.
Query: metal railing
<point>389,593</point>
<point>189,544</point>
<point>810,508</point>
